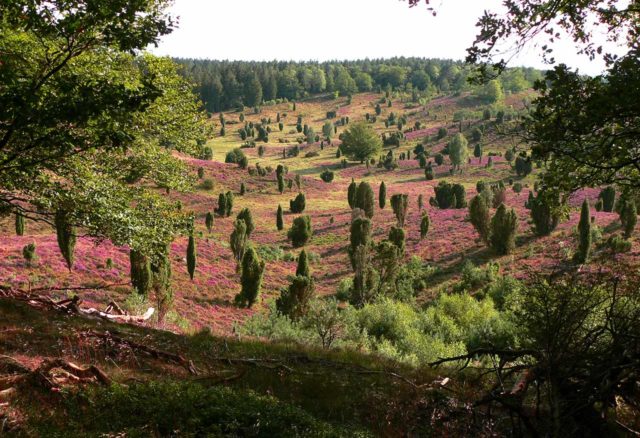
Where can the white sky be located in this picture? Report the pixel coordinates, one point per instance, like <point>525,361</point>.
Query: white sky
<point>335,29</point>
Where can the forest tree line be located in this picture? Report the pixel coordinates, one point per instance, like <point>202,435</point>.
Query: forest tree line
<point>225,85</point>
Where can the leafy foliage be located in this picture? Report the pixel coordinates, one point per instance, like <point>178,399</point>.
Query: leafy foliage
<point>361,143</point>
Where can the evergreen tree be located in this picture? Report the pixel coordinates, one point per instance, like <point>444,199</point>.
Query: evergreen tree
<point>300,231</point>
<point>29,253</point>
<point>238,240</point>
<point>424,225</point>
<point>19,224</point>
<point>279,218</point>
<point>294,300</point>
<point>420,202</point>
<point>66,236</point>
<point>208,221</point>
<point>245,215</point>
<point>251,278</point>
<point>428,172</point>
<point>599,204</point>
<point>242,189</point>
<point>191,256</point>
<point>365,199</point>
<point>608,196</point>
<point>509,155</point>
<point>298,204</point>
<point>351,193</point>
<point>629,217</point>
<point>524,165</point>
<point>327,130</point>
<point>584,232</point>
<point>222,205</point>
<point>530,200</point>
<point>360,235</point>
<point>140,272</point>
<point>399,204</point>
<point>477,151</point>
<point>461,196</point>
<point>303,264</point>
<point>503,230</point>
<point>253,92</point>
<point>397,237</point>
<point>545,212</point>
<point>280,177</point>
<point>480,217</point>
<point>161,283</point>
<point>228,203</point>
<point>382,195</point>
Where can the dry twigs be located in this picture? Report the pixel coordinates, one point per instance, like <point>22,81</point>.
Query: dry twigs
<point>110,339</point>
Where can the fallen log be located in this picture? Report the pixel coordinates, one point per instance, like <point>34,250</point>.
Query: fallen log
<point>90,311</point>
<point>113,312</point>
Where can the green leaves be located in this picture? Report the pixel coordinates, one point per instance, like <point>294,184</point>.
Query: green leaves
<point>82,121</point>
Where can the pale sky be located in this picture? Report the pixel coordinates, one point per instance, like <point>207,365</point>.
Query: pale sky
<point>335,29</point>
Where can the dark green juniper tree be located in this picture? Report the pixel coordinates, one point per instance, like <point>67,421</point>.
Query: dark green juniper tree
<point>19,224</point>
<point>584,234</point>
<point>382,195</point>
<point>300,231</point>
<point>208,221</point>
<point>480,217</point>
<point>140,272</point>
<point>245,215</point>
<point>191,256</point>
<point>238,240</point>
<point>424,225</point>
<point>365,199</point>
<point>250,279</point>
<point>294,300</point>
<point>399,204</point>
<point>279,218</point>
<point>351,193</point>
<point>504,226</point>
<point>66,236</point>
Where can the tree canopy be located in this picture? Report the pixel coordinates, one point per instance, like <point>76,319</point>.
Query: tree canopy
<point>82,118</point>
<point>360,142</point>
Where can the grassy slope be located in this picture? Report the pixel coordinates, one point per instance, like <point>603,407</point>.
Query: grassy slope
<point>207,301</point>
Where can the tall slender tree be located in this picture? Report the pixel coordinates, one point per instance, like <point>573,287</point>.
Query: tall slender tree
<point>279,218</point>
<point>19,224</point>
<point>66,236</point>
<point>140,272</point>
<point>208,221</point>
<point>191,256</point>
<point>382,195</point>
<point>584,233</point>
